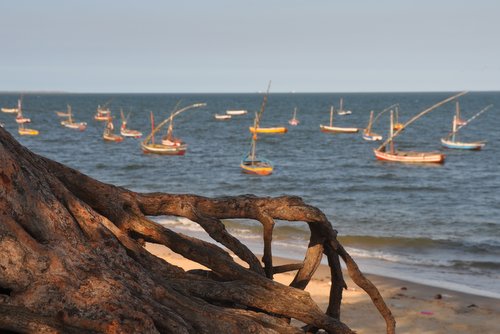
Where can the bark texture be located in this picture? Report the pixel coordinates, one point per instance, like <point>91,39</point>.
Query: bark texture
<point>72,259</point>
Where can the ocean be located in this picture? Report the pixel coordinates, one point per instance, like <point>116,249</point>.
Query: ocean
<point>432,224</point>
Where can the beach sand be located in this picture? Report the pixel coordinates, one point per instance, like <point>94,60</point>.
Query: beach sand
<point>417,308</point>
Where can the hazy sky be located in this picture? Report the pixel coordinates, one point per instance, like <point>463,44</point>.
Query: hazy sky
<point>238,46</point>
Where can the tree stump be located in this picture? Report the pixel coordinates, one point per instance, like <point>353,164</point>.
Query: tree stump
<point>72,259</point>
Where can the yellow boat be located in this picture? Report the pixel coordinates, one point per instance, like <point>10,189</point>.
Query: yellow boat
<point>27,132</point>
<point>277,129</point>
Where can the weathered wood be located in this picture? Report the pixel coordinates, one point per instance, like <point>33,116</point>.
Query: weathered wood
<point>73,258</point>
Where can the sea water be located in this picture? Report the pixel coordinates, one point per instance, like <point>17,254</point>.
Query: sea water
<point>434,224</point>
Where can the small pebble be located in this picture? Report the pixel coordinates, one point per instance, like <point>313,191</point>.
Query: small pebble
<point>438,296</point>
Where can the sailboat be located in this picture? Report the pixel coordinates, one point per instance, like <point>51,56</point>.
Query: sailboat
<point>335,129</point>
<point>27,132</point>
<point>393,155</point>
<point>20,118</point>
<point>294,121</point>
<point>341,111</point>
<point>267,130</point>
<point>128,132</point>
<point>450,140</point>
<point>109,134</point>
<point>103,113</point>
<point>70,123</point>
<point>169,145</point>
<point>368,134</point>
<point>251,163</point>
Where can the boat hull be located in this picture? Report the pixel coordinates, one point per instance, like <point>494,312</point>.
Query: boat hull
<point>293,122</point>
<point>113,138</point>
<point>410,157</point>
<point>163,149</point>
<point>10,110</point>
<point>21,120</point>
<point>236,112</point>
<point>336,129</point>
<point>372,137</point>
<point>75,126</point>
<point>268,130</point>
<point>222,117</point>
<point>463,146</point>
<point>28,132</point>
<point>131,133</point>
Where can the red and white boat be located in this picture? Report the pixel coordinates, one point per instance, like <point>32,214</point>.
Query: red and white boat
<point>294,121</point>
<point>20,119</point>
<point>70,123</point>
<point>103,113</point>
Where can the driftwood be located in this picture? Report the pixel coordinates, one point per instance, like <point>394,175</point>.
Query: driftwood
<point>72,259</point>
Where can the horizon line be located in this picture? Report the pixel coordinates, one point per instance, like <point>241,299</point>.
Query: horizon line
<point>242,92</point>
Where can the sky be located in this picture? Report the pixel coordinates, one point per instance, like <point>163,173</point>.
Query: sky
<point>165,46</point>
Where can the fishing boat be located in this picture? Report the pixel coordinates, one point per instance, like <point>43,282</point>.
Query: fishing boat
<point>236,112</point>
<point>124,131</point>
<point>450,140</point>
<point>341,110</point>
<point>20,118</point>
<point>269,130</point>
<point>103,112</point>
<point>294,121</point>
<point>108,134</point>
<point>70,123</point>
<point>335,129</point>
<point>222,117</point>
<point>384,154</point>
<point>27,132</point>
<point>251,163</point>
<point>368,134</point>
<point>169,144</point>
<point>12,110</point>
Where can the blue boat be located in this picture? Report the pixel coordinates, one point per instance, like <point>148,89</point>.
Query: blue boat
<point>450,140</point>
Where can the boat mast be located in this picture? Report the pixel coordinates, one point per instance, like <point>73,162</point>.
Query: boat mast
<point>457,127</point>
<point>454,127</point>
<point>391,133</point>
<point>331,116</point>
<point>262,106</point>
<point>70,119</point>
<point>368,129</point>
<point>254,140</point>
<point>394,135</point>
<point>152,128</point>
<point>341,104</point>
